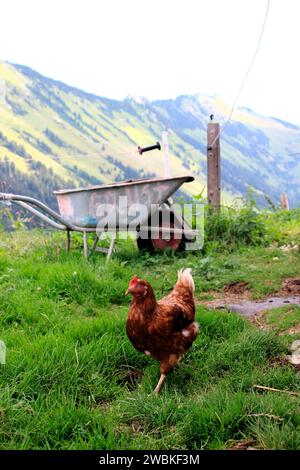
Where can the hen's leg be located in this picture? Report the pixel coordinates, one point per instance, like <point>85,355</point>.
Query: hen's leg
<point>165,367</point>
<point>160,382</point>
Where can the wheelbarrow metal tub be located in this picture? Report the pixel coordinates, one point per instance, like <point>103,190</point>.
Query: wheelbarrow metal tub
<point>82,207</point>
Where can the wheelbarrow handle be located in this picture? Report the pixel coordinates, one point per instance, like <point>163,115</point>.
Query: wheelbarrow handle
<point>147,149</point>
<point>26,202</point>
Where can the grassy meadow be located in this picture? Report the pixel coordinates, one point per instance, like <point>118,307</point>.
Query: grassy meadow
<point>72,379</point>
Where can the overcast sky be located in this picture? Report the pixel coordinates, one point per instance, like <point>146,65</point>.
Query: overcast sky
<point>161,48</point>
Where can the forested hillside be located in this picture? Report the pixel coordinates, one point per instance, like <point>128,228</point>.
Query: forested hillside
<point>54,136</point>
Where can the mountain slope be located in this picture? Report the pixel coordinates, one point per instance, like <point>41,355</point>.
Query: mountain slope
<point>53,136</point>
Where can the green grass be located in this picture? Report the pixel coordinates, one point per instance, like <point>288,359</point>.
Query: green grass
<point>72,379</point>
<point>283,318</point>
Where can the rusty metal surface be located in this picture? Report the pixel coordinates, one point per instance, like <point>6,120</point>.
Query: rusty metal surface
<point>83,206</point>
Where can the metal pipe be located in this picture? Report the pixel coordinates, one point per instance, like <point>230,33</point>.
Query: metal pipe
<point>31,200</point>
<point>40,215</point>
<point>68,241</point>
<point>85,245</point>
<point>147,149</point>
<point>18,199</point>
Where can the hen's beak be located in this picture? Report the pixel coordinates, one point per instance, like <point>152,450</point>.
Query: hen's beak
<point>128,291</point>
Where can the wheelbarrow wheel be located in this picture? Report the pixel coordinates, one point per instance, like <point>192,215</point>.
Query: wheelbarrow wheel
<point>167,242</point>
<point>144,245</point>
<point>162,242</point>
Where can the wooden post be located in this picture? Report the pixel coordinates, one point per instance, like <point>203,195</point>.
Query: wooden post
<point>284,201</point>
<point>213,165</point>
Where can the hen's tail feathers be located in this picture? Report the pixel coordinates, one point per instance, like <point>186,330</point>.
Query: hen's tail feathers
<point>191,331</point>
<point>185,278</point>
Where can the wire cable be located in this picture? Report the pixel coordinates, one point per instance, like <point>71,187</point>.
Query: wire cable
<point>245,76</point>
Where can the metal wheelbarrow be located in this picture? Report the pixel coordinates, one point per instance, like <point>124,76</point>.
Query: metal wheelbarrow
<point>82,210</point>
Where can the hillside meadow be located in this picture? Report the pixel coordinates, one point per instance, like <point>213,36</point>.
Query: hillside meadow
<point>54,136</point>
<point>72,380</point>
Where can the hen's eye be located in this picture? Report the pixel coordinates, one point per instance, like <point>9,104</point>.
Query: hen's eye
<point>141,286</point>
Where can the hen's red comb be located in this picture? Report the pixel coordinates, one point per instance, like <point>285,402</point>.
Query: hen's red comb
<point>134,280</point>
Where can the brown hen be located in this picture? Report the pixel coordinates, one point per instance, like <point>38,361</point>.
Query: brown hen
<point>162,329</point>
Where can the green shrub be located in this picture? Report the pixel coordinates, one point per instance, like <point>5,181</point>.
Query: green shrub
<point>233,227</point>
